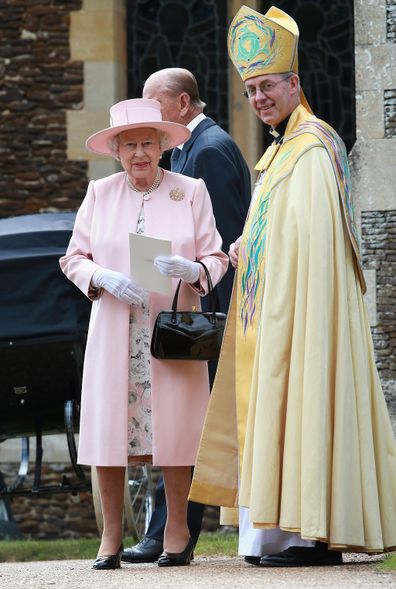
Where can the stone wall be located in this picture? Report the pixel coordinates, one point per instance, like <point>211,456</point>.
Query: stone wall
<point>390,113</point>
<point>372,161</point>
<point>379,254</point>
<point>39,84</point>
<point>52,516</point>
<point>64,515</point>
<point>391,20</point>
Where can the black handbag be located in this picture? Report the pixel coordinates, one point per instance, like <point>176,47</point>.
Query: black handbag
<point>188,335</point>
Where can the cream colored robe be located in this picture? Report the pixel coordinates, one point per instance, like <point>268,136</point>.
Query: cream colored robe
<point>311,435</point>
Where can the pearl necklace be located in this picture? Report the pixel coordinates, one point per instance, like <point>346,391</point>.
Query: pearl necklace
<point>153,187</point>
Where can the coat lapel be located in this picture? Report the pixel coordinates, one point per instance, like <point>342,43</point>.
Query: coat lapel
<point>179,165</point>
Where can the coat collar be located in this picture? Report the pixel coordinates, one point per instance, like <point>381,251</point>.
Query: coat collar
<point>203,125</point>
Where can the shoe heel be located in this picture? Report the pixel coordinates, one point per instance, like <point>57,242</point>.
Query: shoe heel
<point>179,558</point>
<point>113,561</point>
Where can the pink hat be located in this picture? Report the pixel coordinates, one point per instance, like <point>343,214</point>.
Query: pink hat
<point>134,114</point>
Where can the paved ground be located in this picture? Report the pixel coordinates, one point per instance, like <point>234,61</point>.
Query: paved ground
<point>205,573</point>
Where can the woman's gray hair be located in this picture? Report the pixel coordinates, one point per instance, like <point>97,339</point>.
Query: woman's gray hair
<point>114,144</point>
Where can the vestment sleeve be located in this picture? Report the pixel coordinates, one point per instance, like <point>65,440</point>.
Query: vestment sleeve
<point>303,313</point>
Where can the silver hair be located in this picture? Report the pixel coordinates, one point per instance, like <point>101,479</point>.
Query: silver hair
<point>288,75</point>
<point>177,80</point>
<point>114,143</point>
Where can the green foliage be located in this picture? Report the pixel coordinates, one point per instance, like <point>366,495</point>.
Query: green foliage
<point>217,544</point>
<point>210,544</point>
<point>30,550</point>
<point>389,563</point>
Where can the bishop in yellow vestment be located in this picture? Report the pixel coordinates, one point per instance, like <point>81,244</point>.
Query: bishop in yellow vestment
<point>297,428</point>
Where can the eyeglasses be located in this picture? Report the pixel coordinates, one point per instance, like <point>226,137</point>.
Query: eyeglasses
<point>265,87</point>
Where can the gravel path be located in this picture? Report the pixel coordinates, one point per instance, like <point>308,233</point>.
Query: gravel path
<point>358,571</point>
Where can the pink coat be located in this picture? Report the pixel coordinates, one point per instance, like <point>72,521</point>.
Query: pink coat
<point>179,389</point>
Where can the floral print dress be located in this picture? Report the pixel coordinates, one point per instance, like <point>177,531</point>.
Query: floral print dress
<point>139,380</point>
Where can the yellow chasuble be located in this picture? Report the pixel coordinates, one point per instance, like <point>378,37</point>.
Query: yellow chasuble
<point>297,427</point>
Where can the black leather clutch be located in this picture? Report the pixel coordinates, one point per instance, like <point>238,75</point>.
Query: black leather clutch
<point>188,335</point>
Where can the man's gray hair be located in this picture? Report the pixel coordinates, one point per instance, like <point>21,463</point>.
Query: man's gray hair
<point>177,80</point>
<point>288,75</point>
<point>114,143</point>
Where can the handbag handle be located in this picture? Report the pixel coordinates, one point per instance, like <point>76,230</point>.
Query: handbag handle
<point>210,294</point>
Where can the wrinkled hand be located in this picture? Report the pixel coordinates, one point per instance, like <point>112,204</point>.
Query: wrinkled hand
<point>119,285</point>
<point>234,252</point>
<point>178,267</point>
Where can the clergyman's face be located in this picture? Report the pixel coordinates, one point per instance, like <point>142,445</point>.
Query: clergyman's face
<point>272,97</point>
<point>170,105</point>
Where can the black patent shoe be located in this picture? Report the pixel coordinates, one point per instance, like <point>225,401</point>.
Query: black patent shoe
<point>299,556</point>
<point>253,560</point>
<point>177,559</point>
<point>113,561</point>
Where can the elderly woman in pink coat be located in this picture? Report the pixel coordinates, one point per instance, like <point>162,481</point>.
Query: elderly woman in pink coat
<point>135,408</point>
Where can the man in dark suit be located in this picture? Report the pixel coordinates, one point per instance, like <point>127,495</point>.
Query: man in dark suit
<point>210,154</point>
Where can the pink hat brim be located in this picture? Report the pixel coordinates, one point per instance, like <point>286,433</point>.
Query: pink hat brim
<point>99,142</point>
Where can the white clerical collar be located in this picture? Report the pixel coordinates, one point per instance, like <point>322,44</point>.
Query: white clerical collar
<point>192,124</point>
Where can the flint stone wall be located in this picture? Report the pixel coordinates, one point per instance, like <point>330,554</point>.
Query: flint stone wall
<point>390,113</point>
<point>52,516</point>
<point>64,516</point>
<point>379,254</point>
<point>391,20</point>
<point>39,83</point>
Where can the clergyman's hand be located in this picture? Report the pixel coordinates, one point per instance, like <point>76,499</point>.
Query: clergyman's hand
<point>234,252</point>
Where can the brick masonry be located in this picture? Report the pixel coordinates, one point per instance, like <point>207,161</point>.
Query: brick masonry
<point>390,113</point>
<point>379,254</point>
<point>391,20</point>
<point>52,516</point>
<point>39,83</point>
<point>64,515</point>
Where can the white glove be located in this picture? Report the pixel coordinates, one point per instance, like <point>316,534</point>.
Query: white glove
<point>119,285</point>
<point>178,267</point>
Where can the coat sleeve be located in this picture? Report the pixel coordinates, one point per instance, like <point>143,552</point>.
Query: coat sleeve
<point>227,179</point>
<point>77,264</point>
<point>207,239</point>
<point>229,190</point>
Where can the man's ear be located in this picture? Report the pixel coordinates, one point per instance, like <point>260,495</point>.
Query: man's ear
<point>185,102</point>
<point>294,83</point>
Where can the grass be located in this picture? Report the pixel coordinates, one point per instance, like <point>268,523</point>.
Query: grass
<point>217,544</point>
<point>210,544</point>
<point>389,563</point>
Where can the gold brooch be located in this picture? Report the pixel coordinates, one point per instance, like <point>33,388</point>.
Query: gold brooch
<point>176,194</point>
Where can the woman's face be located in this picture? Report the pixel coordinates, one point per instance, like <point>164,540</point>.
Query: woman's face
<point>140,152</point>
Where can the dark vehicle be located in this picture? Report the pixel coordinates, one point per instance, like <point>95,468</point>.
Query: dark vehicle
<point>43,328</point>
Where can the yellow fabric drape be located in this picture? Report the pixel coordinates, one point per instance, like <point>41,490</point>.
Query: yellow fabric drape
<point>317,453</point>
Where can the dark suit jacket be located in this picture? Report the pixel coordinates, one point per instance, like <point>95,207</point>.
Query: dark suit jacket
<point>211,154</point>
